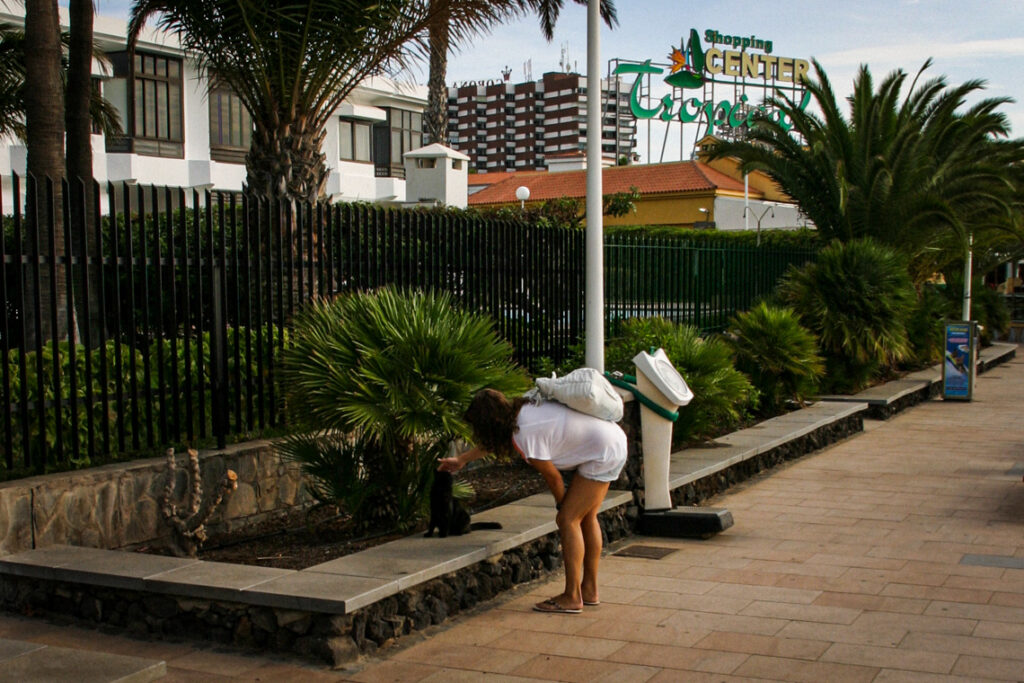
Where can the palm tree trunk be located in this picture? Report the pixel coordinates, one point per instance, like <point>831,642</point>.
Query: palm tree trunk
<point>79,155</point>
<point>285,159</point>
<point>435,118</point>
<point>44,118</point>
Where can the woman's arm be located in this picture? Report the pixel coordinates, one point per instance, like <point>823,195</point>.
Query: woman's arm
<point>461,460</point>
<point>552,477</point>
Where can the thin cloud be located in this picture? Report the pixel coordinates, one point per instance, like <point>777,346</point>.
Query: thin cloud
<point>910,53</point>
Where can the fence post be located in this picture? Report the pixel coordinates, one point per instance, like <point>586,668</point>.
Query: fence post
<point>219,359</point>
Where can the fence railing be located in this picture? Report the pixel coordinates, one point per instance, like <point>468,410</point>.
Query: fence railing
<point>170,311</point>
<point>701,284</point>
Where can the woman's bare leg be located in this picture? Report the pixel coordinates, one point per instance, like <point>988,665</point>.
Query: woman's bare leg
<point>592,542</point>
<point>581,502</point>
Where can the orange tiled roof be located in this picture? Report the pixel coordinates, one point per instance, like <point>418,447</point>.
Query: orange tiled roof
<point>476,179</point>
<point>678,177</point>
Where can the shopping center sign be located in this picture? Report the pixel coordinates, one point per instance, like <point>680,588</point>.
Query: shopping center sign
<point>749,62</point>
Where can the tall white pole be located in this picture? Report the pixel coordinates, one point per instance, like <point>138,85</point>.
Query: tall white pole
<point>594,307</point>
<point>746,205</point>
<point>968,267</point>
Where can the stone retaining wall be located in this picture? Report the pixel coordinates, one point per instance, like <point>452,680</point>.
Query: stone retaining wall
<point>117,506</point>
<point>335,639</point>
<point>706,487</point>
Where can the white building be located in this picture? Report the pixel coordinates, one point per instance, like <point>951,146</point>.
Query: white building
<point>177,134</point>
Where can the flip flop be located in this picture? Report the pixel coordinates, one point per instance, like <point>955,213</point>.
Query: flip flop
<point>591,604</point>
<point>552,607</point>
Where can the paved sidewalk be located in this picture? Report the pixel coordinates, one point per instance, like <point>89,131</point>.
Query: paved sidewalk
<point>897,555</point>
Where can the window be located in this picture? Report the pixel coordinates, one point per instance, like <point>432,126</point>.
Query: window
<point>426,163</point>
<point>230,126</point>
<point>354,140</point>
<point>157,104</point>
<point>406,133</point>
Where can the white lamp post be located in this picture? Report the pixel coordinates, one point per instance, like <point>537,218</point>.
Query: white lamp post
<point>747,212</point>
<point>522,194</point>
<point>594,279</point>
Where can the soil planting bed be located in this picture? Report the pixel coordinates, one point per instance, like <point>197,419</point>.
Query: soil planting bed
<point>303,539</point>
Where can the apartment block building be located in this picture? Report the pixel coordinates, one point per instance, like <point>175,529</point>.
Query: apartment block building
<point>505,126</point>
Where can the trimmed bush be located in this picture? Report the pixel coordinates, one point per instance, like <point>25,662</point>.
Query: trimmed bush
<point>722,394</point>
<point>778,354</point>
<point>380,380</point>
<point>855,298</point>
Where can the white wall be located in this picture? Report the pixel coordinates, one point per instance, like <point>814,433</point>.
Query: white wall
<point>729,215</point>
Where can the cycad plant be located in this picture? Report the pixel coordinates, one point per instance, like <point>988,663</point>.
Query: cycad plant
<point>777,353</point>
<point>721,393</point>
<point>855,297</point>
<point>376,383</point>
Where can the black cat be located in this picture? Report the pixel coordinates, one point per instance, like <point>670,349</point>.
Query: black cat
<point>447,515</point>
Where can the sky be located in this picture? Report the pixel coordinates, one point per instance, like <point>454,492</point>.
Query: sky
<point>966,39</point>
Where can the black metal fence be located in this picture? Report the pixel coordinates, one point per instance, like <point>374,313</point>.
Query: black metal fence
<point>164,321</point>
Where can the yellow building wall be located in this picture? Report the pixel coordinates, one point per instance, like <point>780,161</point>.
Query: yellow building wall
<point>675,209</point>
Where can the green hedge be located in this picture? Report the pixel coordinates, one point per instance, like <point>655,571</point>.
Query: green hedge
<point>120,374</point>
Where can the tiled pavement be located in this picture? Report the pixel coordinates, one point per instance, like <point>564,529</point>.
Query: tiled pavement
<point>897,555</point>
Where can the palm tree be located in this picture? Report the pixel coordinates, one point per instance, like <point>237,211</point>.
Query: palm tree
<point>455,18</point>
<point>911,173</point>
<point>44,124</point>
<point>102,113</point>
<point>291,64</point>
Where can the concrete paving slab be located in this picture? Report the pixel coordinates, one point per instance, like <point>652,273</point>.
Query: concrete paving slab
<point>415,560</point>
<point>41,562</point>
<point>318,592</point>
<point>212,580</point>
<point>117,569</point>
<point>883,394</point>
<point>15,648</point>
<point>47,664</point>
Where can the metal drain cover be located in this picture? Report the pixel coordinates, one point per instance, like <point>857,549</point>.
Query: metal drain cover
<point>648,552</point>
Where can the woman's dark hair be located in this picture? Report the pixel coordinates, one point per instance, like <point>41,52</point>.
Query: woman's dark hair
<point>493,419</point>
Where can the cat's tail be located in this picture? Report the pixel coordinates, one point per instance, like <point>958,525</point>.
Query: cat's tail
<point>477,526</point>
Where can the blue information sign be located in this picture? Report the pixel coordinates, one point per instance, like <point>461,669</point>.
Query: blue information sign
<point>958,365</point>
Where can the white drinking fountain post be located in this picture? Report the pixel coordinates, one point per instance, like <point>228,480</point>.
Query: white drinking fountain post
<point>661,391</point>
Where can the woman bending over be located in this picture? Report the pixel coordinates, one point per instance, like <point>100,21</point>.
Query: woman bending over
<point>553,438</point>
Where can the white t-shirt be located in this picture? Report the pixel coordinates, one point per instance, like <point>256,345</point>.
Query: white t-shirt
<point>571,440</point>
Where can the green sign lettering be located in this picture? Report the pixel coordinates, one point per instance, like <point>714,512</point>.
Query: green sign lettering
<point>687,72</point>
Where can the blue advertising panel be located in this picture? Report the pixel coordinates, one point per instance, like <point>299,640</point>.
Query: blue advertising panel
<point>958,365</point>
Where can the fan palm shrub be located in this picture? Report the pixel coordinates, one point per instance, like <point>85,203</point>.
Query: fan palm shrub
<point>855,298</point>
<point>925,325</point>
<point>377,383</point>
<point>721,393</point>
<point>777,353</point>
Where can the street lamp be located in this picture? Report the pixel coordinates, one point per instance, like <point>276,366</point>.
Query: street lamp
<point>522,194</point>
<point>708,217</point>
<point>746,209</point>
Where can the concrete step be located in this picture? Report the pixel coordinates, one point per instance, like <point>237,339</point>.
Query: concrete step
<point>26,662</point>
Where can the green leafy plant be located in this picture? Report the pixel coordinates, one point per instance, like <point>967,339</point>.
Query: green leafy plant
<point>114,370</point>
<point>722,394</point>
<point>988,306</point>
<point>777,353</point>
<point>925,325</point>
<point>390,373</point>
<point>855,298</point>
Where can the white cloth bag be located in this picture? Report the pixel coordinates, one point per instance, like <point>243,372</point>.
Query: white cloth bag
<point>585,390</point>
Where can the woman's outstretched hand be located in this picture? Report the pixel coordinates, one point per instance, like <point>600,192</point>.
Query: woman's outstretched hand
<point>448,465</point>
